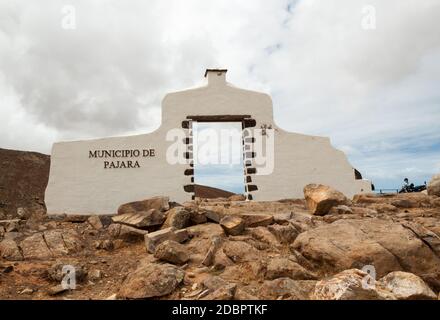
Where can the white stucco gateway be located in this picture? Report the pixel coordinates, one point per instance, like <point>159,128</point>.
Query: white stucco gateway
<point>96,176</point>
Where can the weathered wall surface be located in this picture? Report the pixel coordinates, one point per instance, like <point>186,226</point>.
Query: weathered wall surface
<point>80,184</point>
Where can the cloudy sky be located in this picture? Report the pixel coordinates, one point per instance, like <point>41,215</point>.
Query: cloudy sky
<point>374,91</point>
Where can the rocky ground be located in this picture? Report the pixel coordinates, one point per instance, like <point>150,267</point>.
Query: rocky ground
<point>322,247</point>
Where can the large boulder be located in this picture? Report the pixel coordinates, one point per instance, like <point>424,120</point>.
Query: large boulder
<point>352,284</point>
<point>172,252</point>
<point>320,198</point>
<point>354,243</point>
<point>406,286</point>
<point>141,219</point>
<point>434,186</point>
<point>151,280</point>
<point>158,203</point>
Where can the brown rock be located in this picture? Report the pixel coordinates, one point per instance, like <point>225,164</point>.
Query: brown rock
<point>256,220</point>
<point>178,217</point>
<point>56,290</point>
<point>153,239</point>
<point>95,222</point>
<point>55,272</point>
<point>232,225</point>
<point>216,242</point>
<point>151,280</point>
<point>141,219</point>
<point>406,286</point>
<point>383,207</point>
<point>284,233</point>
<point>126,233</point>
<point>320,199</point>
<point>348,285</point>
<point>434,186</point>
<point>341,209</point>
<point>172,251</point>
<point>286,288</point>
<point>427,236</point>
<point>355,243</point>
<point>285,268</point>
<point>10,251</point>
<point>223,293</point>
<point>157,203</point>
<point>34,247</point>
<point>239,251</point>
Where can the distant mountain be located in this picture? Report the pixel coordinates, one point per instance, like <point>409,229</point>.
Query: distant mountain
<point>23,180</point>
<point>210,192</point>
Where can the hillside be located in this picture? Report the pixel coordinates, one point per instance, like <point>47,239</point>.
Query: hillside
<point>23,180</point>
<point>210,192</point>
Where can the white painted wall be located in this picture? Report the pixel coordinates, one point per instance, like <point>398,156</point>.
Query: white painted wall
<point>80,185</point>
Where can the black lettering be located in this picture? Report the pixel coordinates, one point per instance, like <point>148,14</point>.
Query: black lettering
<point>92,154</point>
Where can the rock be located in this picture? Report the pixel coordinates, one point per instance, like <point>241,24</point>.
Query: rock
<point>434,186</point>
<point>427,236</point>
<point>350,284</point>
<point>341,209</point>
<point>237,197</point>
<point>354,243</point>
<point>232,225</point>
<point>406,286</point>
<point>55,272</point>
<point>126,233</point>
<point>256,220</point>
<point>23,213</point>
<point>240,251</point>
<point>95,222</point>
<point>12,226</point>
<point>320,199</point>
<point>75,218</point>
<point>284,233</point>
<point>404,203</point>
<point>383,207</point>
<point>142,219</point>
<point>94,275</point>
<point>12,235</point>
<point>286,288</point>
<point>197,217</point>
<point>216,242</point>
<point>34,247</point>
<point>106,244</point>
<point>178,217</point>
<point>223,293</point>
<point>56,290</point>
<point>172,252</point>
<point>282,218</point>
<point>157,203</point>
<point>27,291</point>
<point>151,280</point>
<point>284,268</point>
<point>10,251</point>
<point>153,239</point>
<point>264,235</point>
